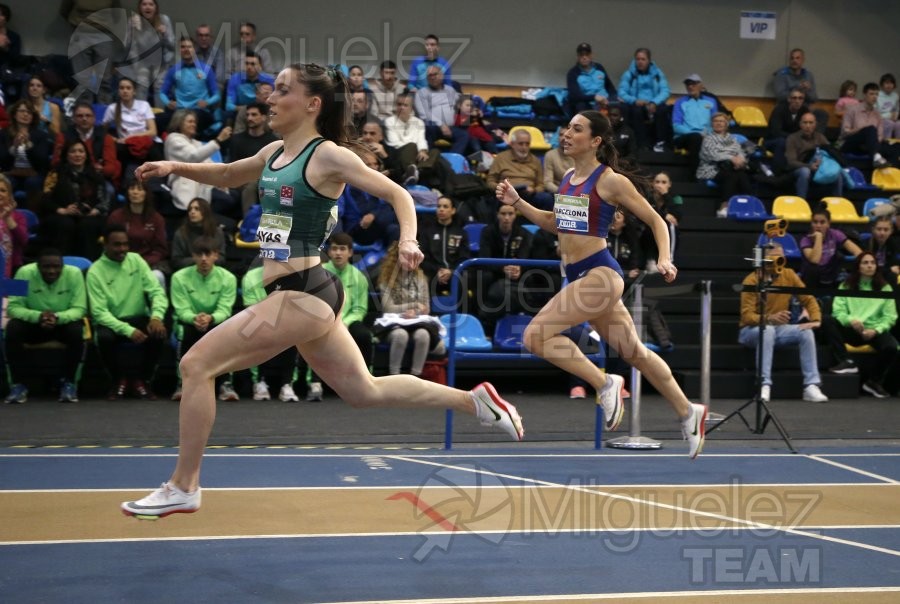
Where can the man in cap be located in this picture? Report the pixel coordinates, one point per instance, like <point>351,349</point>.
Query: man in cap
<point>692,118</point>
<point>590,87</point>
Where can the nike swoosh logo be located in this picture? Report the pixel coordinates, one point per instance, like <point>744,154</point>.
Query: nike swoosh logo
<point>153,507</point>
<point>497,415</point>
<point>696,427</point>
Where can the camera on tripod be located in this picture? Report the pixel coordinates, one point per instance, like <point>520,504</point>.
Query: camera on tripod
<point>776,227</point>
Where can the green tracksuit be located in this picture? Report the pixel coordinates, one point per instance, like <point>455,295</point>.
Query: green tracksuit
<point>66,297</point>
<point>356,292</point>
<point>121,289</point>
<point>192,294</point>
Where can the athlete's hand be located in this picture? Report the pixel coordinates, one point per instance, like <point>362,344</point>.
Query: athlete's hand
<point>667,270</point>
<point>410,254</point>
<point>506,193</point>
<point>154,169</point>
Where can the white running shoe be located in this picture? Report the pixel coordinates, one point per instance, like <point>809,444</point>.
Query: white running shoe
<point>167,499</point>
<point>610,398</point>
<point>287,393</point>
<point>492,410</point>
<point>694,429</point>
<point>315,392</point>
<point>227,392</point>
<point>261,391</point>
<point>813,394</point>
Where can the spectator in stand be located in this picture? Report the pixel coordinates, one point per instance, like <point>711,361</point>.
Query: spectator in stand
<point>135,126</point>
<point>199,222</point>
<point>356,79</point>
<point>50,116</point>
<point>190,84</point>
<point>884,247</point>
<point>366,218</point>
<point>846,98</point>
<point>692,119</point>
<point>359,111</point>
<point>861,128</point>
<point>624,243</point>
<point>385,91</point>
<point>435,105</point>
<point>784,121</point>
<point>644,91</point>
<point>406,293</point>
<point>722,160</point>
<point>556,164</point>
<point>523,170</point>
<point>149,29</point>
<point>356,303</point>
<point>502,289</point>
<point>589,86</point>
<point>624,137</point>
<point>248,143</point>
<point>76,203</point>
<point>145,226</point>
<point>10,48</point>
<point>13,229</point>
<point>418,70</point>
<point>100,145</point>
<point>203,296</point>
<point>405,133</point>
<point>280,369</point>
<point>800,154</point>
<point>52,310</point>
<point>780,331</point>
<point>209,54</point>
<point>127,305</point>
<point>372,137</point>
<point>25,151</point>
<point>794,76</point>
<point>859,321</point>
<point>888,104</point>
<point>234,60</point>
<point>669,206</point>
<point>98,46</point>
<point>445,244</point>
<point>182,145</point>
<point>823,251</point>
<point>241,90</point>
<point>482,136</point>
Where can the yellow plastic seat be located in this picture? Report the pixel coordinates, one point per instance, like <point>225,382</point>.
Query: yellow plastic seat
<point>843,210</point>
<point>792,208</point>
<point>538,142</point>
<point>750,117</point>
<point>887,178</point>
<point>864,349</point>
<point>238,242</point>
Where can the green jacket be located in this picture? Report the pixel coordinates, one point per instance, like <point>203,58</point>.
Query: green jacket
<point>252,290</point>
<point>192,294</point>
<point>66,297</point>
<point>356,292</point>
<point>879,314</point>
<point>121,290</point>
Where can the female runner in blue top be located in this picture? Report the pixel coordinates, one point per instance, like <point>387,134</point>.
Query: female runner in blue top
<point>300,179</point>
<point>582,212</point>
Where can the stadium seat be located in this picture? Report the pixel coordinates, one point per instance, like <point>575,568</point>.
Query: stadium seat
<point>531,228</point>
<point>887,178</point>
<point>750,117</point>
<point>747,208</point>
<point>469,332</point>
<point>843,210</point>
<point>792,208</point>
<point>79,262</point>
<point>538,142</point>
<point>873,203</point>
<point>459,163</point>
<point>32,222</point>
<point>855,180</point>
<point>509,330</point>
<point>473,230</point>
<point>787,242</point>
<point>442,304</point>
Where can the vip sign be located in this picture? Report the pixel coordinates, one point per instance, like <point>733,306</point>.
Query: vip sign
<point>758,25</point>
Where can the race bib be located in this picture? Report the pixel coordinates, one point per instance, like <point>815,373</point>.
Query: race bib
<point>572,213</point>
<point>272,234</point>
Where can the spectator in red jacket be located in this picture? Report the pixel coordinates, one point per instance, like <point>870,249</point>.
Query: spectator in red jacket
<point>146,228</point>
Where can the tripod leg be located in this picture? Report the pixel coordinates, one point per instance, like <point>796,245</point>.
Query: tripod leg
<point>778,426</point>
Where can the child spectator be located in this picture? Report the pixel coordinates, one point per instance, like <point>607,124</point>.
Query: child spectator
<point>847,97</point>
<point>888,105</point>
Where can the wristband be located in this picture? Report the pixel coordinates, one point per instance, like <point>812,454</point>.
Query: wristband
<point>410,240</point>
<point>516,201</point>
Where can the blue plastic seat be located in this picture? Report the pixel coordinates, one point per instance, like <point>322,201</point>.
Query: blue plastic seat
<point>531,228</point>
<point>469,332</point>
<point>473,230</point>
<point>459,163</point>
<point>509,330</point>
<point>747,208</point>
<point>856,180</point>
<point>359,248</point>
<point>873,203</point>
<point>31,220</point>
<point>370,259</point>
<point>787,242</point>
<point>442,304</point>
<point>79,262</point>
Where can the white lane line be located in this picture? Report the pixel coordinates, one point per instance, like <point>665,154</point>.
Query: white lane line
<point>837,464</point>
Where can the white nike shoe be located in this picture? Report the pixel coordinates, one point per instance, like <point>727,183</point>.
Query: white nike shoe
<point>167,499</point>
<point>694,429</point>
<point>492,410</point>
<point>610,398</point>
<point>261,391</point>
<point>287,393</point>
